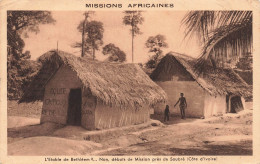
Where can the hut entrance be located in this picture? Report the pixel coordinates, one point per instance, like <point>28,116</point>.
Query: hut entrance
<point>74,110</point>
<point>227,103</point>
<point>236,104</point>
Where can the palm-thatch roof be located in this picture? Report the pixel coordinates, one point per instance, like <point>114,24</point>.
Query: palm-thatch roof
<point>213,80</point>
<point>112,83</point>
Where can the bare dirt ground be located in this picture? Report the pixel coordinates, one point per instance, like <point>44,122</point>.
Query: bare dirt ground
<point>227,136</point>
<point>230,134</point>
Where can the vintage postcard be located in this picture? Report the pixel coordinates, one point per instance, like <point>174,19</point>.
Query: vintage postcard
<point>105,81</point>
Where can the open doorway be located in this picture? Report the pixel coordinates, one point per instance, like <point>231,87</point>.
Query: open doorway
<point>236,104</point>
<point>74,109</point>
<point>227,103</point>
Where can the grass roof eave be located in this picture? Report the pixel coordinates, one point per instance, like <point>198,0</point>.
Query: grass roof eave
<point>113,83</point>
<point>216,81</point>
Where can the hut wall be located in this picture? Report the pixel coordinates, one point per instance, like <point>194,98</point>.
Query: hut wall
<point>89,103</point>
<point>193,93</point>
<point>55,103</point>
<point>214,105</point>
<point>174,79</point>
<point>244,103</point>
<point>247,104</point>
<point>110,117</point>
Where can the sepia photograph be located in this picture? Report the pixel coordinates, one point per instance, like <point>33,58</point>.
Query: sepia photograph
<point>130,83</point>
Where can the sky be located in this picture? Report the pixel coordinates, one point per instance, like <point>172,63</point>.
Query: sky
<point>167,23</point>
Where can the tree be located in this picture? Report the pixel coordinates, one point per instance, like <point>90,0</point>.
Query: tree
<point>85,48</point>
<point>94,31</point>
<point>87,15</point>
<point>19,66</point>
<point>155,45</point>
<point>133,18</point>
<point>116,55</point>
<point>151,63</point>
<point>19,22</point>
<point>225,34</point>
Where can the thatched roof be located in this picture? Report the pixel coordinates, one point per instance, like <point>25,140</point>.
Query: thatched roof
<point>113,83</point>
<point>213,80</point>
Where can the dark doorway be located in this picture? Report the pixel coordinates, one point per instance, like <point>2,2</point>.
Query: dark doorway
<point>227,103</point>
<point>236,104</point>
<point>74,110</point>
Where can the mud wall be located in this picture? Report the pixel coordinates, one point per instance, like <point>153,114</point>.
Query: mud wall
<point>110,117</point>
<point>55,103</point>
<point>89,103</point>
<point>214,105</point>
<point>244,103</point>
<point>174,79</point>
<point>193,93</point>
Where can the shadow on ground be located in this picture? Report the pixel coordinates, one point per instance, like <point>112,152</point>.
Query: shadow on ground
<point>32,130</point>
<point>210,149</point>
<point>153,148</point>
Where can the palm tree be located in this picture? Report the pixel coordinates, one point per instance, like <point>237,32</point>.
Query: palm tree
<point>226,35</point>
<point>133,18</point>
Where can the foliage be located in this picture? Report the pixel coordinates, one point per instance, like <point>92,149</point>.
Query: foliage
<point>87,48</point>
<point>20,68</point>
<point>133,19</point>
<point>151,63</point>
<point>94,36</point>
<point>245,63</point>
<point>225,34</point>
<point>116,55</point>
<point>84,46</point>
<point>155,45</point>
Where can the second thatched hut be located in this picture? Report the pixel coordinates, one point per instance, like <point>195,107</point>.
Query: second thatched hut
<point>214,91</point>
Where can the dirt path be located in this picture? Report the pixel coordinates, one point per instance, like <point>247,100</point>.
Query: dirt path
<point>228,136</point>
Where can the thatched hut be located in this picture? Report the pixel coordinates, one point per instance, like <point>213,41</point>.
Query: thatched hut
<point>95,95</point>
<point>213,92</point>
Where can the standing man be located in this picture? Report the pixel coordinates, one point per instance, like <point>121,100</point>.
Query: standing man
<point>183,105</point>
<point>166,113</point>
